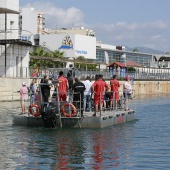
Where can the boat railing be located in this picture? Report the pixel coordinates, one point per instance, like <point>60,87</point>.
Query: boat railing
<point>73,106</point>
<point>114,101</point>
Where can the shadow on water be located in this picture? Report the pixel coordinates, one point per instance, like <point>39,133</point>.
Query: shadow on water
<point>140,144</point>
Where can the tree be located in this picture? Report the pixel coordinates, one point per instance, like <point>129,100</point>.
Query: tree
<point>80,58</point>
<point>46,63</point>
<point>135,50</point>
<point>131,69</point>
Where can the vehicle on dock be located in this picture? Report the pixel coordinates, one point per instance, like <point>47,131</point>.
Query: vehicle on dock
<point>59,114</point>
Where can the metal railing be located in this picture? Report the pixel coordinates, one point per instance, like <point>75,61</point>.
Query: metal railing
<point>24,72</point>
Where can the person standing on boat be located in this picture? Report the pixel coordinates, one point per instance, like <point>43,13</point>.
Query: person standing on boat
<point>87,93</point>
<point>23,96</point>
<point>127,91</point>
<point>70,83</point>
<point>62,87</point>
<point>99,88</point>
<point>33,90</point>
<point>78,94</point>
<point>45,89</point>
<point>114,84</point>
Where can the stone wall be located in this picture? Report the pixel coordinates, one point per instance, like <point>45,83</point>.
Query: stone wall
<point>10,86</point>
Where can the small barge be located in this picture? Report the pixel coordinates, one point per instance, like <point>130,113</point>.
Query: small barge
<point>55,114</point>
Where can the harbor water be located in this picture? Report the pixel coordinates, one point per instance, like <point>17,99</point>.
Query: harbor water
<point>137,145</point>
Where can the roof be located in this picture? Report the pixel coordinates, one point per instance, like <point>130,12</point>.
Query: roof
<point>132,64</point>
<point>127,64</point>
<point>117,64</point>
<point>8,11</point>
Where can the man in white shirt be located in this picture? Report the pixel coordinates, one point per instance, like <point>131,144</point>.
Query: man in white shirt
<point>87,93</point>
<point>127,91</point>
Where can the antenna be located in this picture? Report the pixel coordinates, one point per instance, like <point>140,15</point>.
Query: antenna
<point>56,25</point>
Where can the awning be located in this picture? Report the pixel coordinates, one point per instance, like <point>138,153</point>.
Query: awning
<point>127,64</point>
<point>15,41</point>
<point>8,11</point>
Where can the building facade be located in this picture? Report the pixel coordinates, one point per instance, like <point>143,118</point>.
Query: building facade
<point>14,50</point>
<point>78,30</point>
<point>73,45</point>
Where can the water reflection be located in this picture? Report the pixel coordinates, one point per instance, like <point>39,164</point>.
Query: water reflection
<point>125,146</point>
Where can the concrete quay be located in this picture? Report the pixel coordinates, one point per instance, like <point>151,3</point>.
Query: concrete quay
<point>10,86</point>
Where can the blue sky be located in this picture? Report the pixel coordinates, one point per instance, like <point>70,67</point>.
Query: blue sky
<point>133,23</point>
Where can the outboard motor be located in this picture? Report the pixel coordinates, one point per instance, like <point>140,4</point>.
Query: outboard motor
<point>48,113</point>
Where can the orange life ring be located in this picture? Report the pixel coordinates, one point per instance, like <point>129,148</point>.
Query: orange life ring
<point>33,112</point>
<point>73,108</point>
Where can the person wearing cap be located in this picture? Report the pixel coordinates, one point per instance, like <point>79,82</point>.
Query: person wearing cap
<point>127,91</point>
<point>23,96</point>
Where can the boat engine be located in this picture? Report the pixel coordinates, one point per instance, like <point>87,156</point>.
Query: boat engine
<point>48,113</point>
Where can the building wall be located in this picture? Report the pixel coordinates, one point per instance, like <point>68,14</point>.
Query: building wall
<point>10,86</point>
<point>12,20</point>
<point>10,4</point>
<point>29,20</point>
<point>81,45</point>
<point>40,22</point>
<point>81,31</point>
<point>17,63</point>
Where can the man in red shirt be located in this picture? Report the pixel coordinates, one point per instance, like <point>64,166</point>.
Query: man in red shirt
<point>114,84</point>
<point>99,87</point>
<point>63,87</point>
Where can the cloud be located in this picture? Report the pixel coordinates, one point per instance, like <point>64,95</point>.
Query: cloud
<point>59,17</point>
<point>153,34</point>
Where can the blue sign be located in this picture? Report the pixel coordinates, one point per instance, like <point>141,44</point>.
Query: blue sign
<point>24,38</point>
<point>81,52</point>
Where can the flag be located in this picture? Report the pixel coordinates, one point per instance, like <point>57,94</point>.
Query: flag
<point>106,57</point>
<point>35,72</point>
<point>124,55</point>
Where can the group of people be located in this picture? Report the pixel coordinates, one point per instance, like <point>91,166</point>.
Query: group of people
<point>81,94</point>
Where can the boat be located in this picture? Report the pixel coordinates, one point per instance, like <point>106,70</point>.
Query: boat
<point>56,114</point>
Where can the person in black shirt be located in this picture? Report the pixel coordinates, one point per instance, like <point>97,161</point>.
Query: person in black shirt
<point>78,91</point>
<point>45,89</point>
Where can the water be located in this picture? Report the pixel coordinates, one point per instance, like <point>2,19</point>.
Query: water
<point>141,144</point>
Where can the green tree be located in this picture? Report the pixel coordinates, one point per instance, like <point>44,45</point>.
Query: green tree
<point>46,63</point>
<point>135,50</point>
<point>131,69</point>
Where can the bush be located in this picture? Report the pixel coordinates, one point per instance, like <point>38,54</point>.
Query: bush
<point>131,69</point>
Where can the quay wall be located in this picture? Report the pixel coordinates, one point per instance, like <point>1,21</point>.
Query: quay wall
<point>10,86</point>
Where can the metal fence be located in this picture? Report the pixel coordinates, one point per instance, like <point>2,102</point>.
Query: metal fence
<point>142,73</point>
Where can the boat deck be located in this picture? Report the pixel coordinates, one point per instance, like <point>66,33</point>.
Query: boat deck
<point>107,118</point>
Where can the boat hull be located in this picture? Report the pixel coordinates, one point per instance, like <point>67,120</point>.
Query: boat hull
<point>108,118</point>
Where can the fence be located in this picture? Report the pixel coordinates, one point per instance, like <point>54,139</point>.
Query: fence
<point>141,73</point>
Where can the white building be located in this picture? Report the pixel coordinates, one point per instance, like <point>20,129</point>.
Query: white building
<point>32,20</point>
<point>73,45</point>
<point>14,48</point>
<point>77,30</point>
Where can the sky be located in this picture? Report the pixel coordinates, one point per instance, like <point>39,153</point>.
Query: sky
<point>132,23</point>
